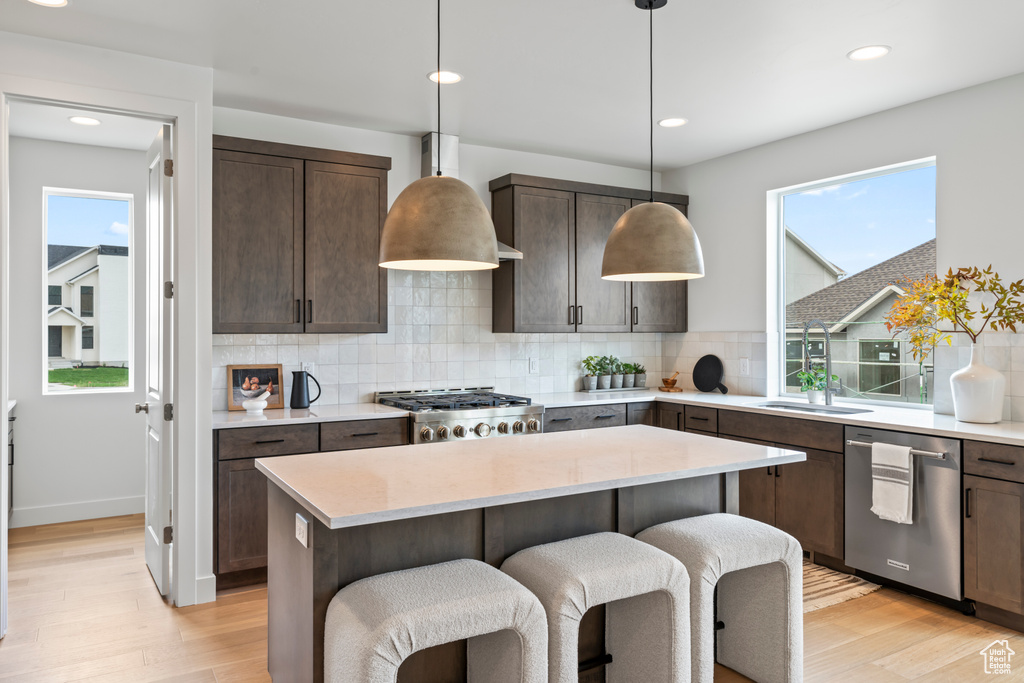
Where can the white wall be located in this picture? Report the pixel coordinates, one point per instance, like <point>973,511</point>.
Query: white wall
<point>78,456</point>
<point>112,298</point>
<point>976,135</point>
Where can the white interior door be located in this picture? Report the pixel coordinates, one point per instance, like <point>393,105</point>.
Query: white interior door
<point>159,321</point>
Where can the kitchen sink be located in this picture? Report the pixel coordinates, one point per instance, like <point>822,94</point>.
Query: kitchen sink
<point>812,408</point>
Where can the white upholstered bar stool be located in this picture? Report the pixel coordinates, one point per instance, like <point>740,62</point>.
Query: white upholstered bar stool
<point>758,571</point>
<point>646,593</point>
<point>374,624</point>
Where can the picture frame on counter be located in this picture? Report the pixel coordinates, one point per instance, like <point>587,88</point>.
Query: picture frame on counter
<point>252,380</point>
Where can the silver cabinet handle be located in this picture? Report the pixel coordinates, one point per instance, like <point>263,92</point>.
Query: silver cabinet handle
<point>572,315</point>
<point>142,408</point>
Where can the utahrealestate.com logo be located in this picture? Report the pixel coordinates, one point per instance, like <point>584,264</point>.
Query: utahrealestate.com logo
<point>997,657</point>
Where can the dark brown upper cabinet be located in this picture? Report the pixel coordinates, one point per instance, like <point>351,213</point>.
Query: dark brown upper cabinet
<point>561,227</point>
<point>296,238</point>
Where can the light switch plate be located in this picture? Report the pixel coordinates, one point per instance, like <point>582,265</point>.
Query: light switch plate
<point>302,530</point>
<point>744,367</point>
<point>308,367</point>
<point>534,366</point>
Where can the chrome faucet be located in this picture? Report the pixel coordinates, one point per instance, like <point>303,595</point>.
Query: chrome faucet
<point>829,389</point>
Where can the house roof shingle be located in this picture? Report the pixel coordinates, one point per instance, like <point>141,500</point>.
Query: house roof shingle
<point>62,253</point>
<point>835,302</point>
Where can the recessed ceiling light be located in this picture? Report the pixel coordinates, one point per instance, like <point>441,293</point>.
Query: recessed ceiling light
<point>84,120</point>
<point>445,77</point>
<point>672,123</point>
<point>862,54</point>
<point>50,3</point>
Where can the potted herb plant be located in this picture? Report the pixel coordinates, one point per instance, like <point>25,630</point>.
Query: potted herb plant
<point>628,375</point>
<point>591,368</point>
<point>970,301</point>
<point>616,370</point>
<point>814,382</point>
<point>640,374</point>
<point>604,372</point>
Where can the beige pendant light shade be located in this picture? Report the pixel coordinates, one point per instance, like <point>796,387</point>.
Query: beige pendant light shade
<point>438,223</point>
<point>651,243</point>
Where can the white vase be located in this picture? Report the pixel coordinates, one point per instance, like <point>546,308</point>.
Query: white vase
<point>815,396</point>
<point>978,391</point>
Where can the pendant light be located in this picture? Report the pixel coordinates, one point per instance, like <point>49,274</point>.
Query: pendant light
<point>438,222</point>
<point>652,242</point>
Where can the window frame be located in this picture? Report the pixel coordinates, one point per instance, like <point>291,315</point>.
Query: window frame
<point>777,289</point>
<point>49,295</point>
<point>132,256</point>
<point>92,337</point>
<point>92,300</point>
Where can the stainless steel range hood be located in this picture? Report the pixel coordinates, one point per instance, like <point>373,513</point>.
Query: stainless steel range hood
<point>440,151</point>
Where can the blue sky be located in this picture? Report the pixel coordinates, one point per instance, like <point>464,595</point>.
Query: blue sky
<point>859,224</point>
<point>87,222</point>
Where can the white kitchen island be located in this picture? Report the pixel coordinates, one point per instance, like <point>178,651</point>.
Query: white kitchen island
<point>378,510</point>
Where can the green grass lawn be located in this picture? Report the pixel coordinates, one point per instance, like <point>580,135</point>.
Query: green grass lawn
<point>90,377</point>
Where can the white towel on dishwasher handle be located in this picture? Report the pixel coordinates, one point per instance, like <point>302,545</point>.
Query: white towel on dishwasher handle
<point>892,482</point>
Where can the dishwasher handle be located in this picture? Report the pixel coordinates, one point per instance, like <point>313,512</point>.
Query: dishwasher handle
<point>913,451</point>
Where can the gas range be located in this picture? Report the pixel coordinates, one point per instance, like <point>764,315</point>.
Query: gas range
<point>463,414</point>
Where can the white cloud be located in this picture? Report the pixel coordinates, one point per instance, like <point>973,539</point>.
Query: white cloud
<point>858,193</point>
<point>118,228</point>
<point>822,190</point>
<point>930,220</point>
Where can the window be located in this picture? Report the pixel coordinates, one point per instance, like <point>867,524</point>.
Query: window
<point>879,367</point>
<point>88,244</point>
<point>845,247</point>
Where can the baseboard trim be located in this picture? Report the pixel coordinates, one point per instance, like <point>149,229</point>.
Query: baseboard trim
<point>206,589</point>
<point>74,512</point>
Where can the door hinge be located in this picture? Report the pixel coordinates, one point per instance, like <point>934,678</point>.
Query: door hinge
<point>168,290</point>
<point>168,535</point>
<point>168,412</point>
<point>169,168</point>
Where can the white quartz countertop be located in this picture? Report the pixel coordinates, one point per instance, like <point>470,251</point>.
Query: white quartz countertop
<point>352,488</point>
<point>224,419</point>
<point>920,421</point>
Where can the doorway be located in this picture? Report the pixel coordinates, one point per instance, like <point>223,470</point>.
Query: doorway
<point>79,259</point>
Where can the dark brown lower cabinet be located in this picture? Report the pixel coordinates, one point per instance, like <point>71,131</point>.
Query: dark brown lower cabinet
<point>670,416</point>
<point>809,502</point>
<point>241,516</point>
<point>642,413</point>
<point>993,540</point>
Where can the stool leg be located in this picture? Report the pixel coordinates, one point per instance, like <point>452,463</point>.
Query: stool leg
<point>648,637</point>
<point>500,657</point>
<point>763,635</point>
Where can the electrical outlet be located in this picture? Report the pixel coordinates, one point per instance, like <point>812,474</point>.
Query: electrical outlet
<point>534,366</point>
<point>308,367</point>
<point>744,367</point>
<point>302,530</point>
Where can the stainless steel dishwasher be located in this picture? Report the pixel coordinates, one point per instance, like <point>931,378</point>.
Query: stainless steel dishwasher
<point>925,554</point>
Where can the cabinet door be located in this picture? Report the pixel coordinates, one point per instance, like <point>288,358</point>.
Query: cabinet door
<point>809,502</point>
<point>757,488</point>
<point>346,291</point>
<point>642,414</point>
<point>601,305</point>
<point>241,516</point>
<point>993,535</point>
<point>670,416</point>
<point>257,243</point>
<point>544,280</point>
<point>659,306</point>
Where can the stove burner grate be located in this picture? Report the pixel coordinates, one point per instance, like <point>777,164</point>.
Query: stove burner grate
<point>456,401</point>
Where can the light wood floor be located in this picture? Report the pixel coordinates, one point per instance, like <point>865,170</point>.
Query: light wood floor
<point>83,608</point>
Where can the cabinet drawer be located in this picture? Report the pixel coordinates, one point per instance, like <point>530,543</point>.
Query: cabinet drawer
<point>343,436</point>
<point>259,442</point>
<point>700,419</point>
<point>994,460</point>
<point>584,417</point>
<point>823,436</point>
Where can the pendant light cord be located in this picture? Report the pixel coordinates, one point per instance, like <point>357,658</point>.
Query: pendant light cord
<point>439,86</point>
<point>650,14</point>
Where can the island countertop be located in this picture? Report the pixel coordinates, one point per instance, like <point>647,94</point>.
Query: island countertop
<point>353,488</point>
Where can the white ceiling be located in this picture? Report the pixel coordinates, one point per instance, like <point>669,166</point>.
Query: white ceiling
<point>50,122</point>
<point>567,77</point>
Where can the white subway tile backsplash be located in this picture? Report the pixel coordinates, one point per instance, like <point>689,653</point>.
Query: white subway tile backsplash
<point>1003,351</point>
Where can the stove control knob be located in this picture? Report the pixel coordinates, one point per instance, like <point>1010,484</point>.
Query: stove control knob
<point>503,428</point>
<point>483,429</point>
<point>442,432</point>
<point>459,431</point>
<point>533,425</point>
<point>427,434</point>
<point>518,426</point>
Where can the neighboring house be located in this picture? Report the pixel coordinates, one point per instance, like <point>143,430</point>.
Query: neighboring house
<point>807,271</point>
<point>88,305</point>
<point>867,359</point>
